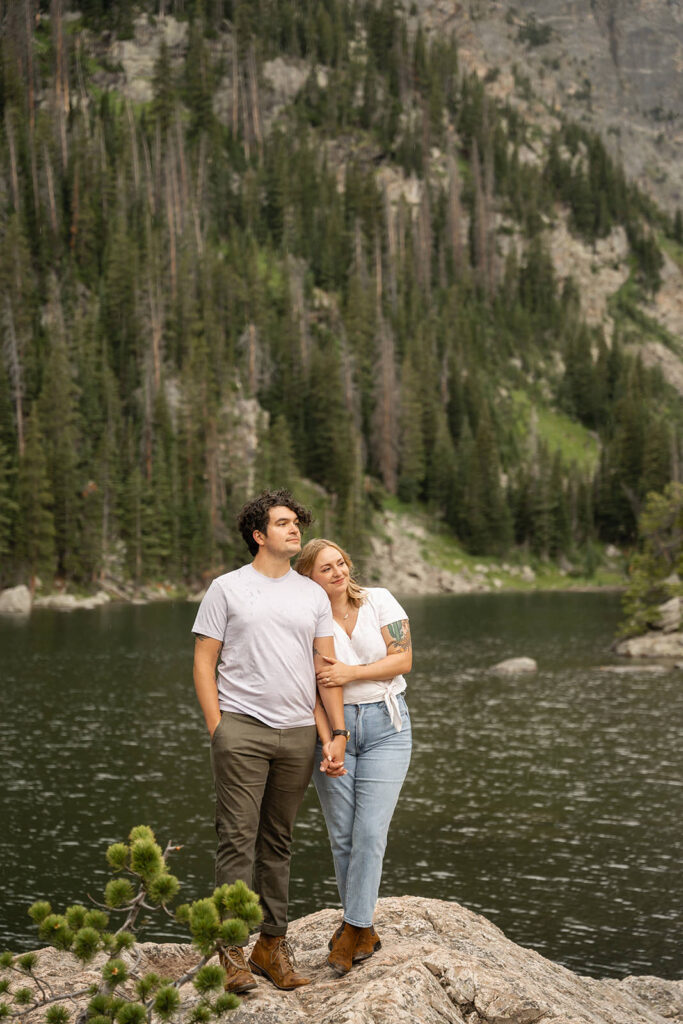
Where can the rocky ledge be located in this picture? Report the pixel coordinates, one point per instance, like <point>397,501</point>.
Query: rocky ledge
<point>439,964</point>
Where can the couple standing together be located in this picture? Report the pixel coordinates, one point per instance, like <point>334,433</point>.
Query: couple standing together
<point>265,635</point>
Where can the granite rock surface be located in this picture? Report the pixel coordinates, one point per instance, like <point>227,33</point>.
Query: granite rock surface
<point>439,964</point>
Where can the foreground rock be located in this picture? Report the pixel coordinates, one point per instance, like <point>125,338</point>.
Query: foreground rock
<point>515,667</point>
<point>71,603</point>
<point>16,600</point>
<point>652,645</point>
<point>439,964</point>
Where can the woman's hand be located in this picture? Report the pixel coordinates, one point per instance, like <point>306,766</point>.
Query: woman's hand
<point>333,757</point>
<point>335,673</point>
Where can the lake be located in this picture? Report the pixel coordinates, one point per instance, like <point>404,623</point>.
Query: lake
<point>550,803</point>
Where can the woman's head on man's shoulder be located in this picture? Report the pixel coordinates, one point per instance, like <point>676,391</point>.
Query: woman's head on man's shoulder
<point>329,565</point>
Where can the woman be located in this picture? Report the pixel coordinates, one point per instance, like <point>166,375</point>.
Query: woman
<point>373,648</point>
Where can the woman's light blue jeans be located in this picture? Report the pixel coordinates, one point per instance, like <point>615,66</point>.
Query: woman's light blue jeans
<point>358,807</point>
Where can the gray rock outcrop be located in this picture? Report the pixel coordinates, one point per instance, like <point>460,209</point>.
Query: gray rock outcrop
<point>397,561</point>
<point>16,600</point>
<point>670,615</point>
<point>439,964</point>
<point>515,667</point>
<point>71,603</point>
<point>652,645</point>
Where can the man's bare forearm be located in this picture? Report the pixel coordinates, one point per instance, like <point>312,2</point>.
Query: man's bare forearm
<point>206,654</point>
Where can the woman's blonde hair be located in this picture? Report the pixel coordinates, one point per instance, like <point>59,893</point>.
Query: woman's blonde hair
<point>306,561</point>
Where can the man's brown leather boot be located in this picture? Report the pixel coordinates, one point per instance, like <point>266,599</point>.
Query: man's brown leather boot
<point>272,957</point>
<point>343,948</point>
<point>238,976</point>
<point>368,943</point>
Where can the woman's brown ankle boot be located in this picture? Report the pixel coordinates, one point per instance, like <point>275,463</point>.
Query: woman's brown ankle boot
<point>343,947</point>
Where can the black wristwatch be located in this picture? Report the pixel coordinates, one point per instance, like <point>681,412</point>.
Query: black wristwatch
<point>342,732</point>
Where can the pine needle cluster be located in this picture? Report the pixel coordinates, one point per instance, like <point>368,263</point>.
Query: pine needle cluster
<point>142,882</point>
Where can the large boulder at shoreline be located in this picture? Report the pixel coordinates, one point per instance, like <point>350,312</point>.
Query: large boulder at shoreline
<point>16,600</point>
<point>439,964</point>
<point>652,645</point>
<point>671,615</point>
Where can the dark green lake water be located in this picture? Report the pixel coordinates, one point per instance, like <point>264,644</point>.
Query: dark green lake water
<point>551,803</point>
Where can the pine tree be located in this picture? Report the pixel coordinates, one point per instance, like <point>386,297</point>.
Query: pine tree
<point>560,526</point>
<point>441,467</point>
<point>8,508</point>
<point>164,89</point>
<point>412,460</point>
<point>36,535</point>
<point>678,226</point>
<point>59,427</point>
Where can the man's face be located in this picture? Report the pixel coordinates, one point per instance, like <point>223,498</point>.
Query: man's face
<point>283,537</point>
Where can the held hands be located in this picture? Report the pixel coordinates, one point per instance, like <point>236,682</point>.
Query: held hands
<point>335,673</point>
<point>333,757</point>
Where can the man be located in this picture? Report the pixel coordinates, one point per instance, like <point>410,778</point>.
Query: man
<point>266,628</point>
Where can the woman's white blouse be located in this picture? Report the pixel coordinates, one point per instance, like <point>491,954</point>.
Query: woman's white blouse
<point>365,645</point>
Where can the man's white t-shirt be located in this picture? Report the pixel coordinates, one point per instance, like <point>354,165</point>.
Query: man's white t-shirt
<point>267,627</point>
<point>366,644</point>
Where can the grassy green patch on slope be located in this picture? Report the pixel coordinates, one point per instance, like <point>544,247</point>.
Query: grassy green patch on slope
<point>560,433</point>
<point>625,308</point>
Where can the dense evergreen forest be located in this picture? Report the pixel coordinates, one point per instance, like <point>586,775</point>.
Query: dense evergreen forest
<point>194,306</point>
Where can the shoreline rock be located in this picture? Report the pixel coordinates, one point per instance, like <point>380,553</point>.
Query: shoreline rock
<point>15,600</point>
<point>439,964</point>
<point>515,667</point>
<point>655,644</point>
<point>71,603</point>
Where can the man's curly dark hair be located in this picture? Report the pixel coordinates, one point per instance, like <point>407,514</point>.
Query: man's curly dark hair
<point>256,514</point>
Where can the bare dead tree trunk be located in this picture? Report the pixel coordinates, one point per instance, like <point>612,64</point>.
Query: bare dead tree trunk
<point>11,145</point>
<point>392,253</point>
<point>170,219</point>
<point>235,88</point>
<point>34,170</point>
<point>198,199</point>
<point>244,107</point>
<point>443,282</point>
<point>296,292</point>
<point>401,233</point>
<point>379,286</point>
<point>149,177</point>
<point>133,146</point>
<point>73,230</point>
<point>155,303</point>
<point>29,22</point>
<point>255,104</point>
<point>14,176</point>
<point>213,476</point>
<point>386,414</point>
<point>252,356</point>
<point>50,190</point>
<point>182,192</point>
<point>455,217</point>
<point>61,75</point>
<point>360,262</point>
<point>489,192</point>
<point>424,243</point>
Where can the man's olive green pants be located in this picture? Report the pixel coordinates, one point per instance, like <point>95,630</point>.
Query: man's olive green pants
<point>260,775</point>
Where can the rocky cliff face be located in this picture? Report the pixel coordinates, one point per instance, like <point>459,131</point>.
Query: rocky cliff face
<point>615,65</point>
<point>439,964</point>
